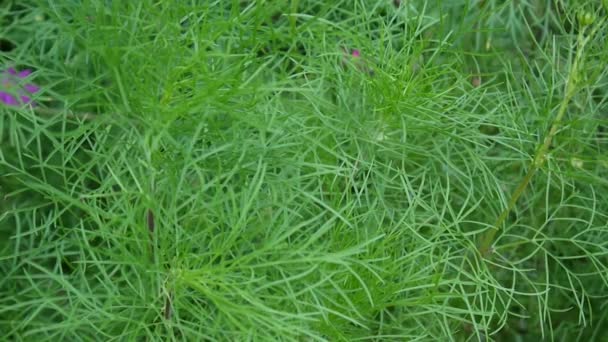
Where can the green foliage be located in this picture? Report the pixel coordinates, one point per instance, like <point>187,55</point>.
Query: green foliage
<point>225,170</point>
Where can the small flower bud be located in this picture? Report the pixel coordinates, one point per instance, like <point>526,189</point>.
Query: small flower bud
<point>476,81</point>
<point>586,18</point>
<point>576,163</point>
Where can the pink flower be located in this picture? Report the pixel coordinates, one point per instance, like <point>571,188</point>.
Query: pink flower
<point>357,59</point>
<point>12,92</point>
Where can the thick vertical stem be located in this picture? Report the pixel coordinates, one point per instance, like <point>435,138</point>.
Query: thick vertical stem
<point>487,239</point>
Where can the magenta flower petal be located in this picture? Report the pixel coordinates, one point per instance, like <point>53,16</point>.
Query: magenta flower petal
<point>31,88</point>
<point>25,99</point>
<point>22,91</point>
<point>25,73</point>
<point>8,99</point>
<point>356,53</point>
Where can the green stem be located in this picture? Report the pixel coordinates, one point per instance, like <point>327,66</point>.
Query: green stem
<point>487,239</point>
<point>69,114</point>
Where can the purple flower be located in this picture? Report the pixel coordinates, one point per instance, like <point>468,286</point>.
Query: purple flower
<point>12,92</point>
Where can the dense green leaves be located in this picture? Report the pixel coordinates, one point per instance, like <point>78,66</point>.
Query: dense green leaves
<point>229,171</point>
